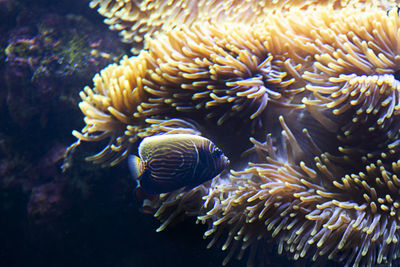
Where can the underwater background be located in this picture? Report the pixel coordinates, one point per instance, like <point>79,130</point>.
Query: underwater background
<point>87,216</point>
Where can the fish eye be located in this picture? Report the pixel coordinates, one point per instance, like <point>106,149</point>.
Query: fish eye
<point>217,152</point>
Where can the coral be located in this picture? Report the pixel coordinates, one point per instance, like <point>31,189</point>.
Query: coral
<point>47,204</point>
<point>45,51</point>
<point>308,90</point>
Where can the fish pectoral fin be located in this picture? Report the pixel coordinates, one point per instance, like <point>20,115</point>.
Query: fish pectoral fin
<point>153,184</point>
<point>136,166</point>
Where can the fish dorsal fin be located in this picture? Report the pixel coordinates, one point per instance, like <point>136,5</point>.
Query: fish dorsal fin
<point>136,166</point>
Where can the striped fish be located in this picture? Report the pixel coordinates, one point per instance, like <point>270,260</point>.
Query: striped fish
<point>172,161</point>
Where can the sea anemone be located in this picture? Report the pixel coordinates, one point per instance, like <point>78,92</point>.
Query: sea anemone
<point>137,20</point>
<point>327,185</point>
<point>197,73</point>
<point>329,209</point>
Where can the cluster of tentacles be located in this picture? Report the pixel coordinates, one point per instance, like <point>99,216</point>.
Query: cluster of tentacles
<point>303,96</point>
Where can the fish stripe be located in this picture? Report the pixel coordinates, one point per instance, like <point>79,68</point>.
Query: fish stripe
<point>173,161</point>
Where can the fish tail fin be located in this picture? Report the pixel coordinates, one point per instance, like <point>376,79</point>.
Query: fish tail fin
<point>136,166</point>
